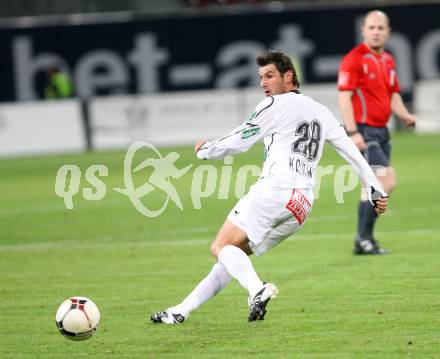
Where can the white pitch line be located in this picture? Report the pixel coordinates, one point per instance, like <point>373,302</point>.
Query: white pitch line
<point>340,235</point>
<point>110,202</point>
<point>106,243</point>
<point>97,245</point>
<point>59,207</point>
<point>108,240</point>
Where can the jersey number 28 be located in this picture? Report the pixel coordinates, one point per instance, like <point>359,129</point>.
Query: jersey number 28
<point>308,142</point>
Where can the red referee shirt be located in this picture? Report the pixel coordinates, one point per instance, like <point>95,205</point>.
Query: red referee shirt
<point>373,79</point>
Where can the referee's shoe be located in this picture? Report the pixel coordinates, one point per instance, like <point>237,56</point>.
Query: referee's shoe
<point>368,246</point>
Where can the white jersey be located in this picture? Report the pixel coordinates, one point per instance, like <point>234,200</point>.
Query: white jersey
<point>294,128</point>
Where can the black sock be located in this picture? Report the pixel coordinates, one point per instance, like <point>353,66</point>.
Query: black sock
<point>366,219</point>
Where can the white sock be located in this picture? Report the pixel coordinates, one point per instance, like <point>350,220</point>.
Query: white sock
<point>239,266</point>
<point>213,283</point>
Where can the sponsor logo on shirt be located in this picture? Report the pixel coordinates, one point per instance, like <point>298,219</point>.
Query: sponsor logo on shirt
<point>251,116</point>
<point>250,132</point>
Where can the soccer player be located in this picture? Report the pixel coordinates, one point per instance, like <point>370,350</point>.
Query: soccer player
<point>369,92</point>
<point>294,128</point>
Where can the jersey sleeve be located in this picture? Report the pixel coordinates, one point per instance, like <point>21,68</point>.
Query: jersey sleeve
<point>394,79</point>
<point>256,127</point>
<point>348,74</point>
<point>347,149</point>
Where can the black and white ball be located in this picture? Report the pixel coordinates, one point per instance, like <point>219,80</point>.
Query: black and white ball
<point>77,318</point>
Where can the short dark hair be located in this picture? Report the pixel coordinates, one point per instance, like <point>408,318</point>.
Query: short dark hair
<point>282,62</point>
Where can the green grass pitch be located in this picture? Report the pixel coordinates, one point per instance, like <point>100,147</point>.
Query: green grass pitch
<point>331,304</point>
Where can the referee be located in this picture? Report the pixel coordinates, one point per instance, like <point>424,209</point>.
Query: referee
<point>368,94</point>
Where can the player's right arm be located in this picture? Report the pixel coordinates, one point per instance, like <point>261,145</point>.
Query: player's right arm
<point>199,144</point>
<point>258,125</point>
<point>347,83</point>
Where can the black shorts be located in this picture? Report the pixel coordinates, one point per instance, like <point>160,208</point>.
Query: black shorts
<point>378,149</point>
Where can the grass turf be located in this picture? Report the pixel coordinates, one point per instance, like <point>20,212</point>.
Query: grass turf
<point>331,304</point>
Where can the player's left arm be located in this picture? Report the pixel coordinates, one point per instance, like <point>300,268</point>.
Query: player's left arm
<point>399,108</point>
<point>381,204</point>
<point>347,149</point>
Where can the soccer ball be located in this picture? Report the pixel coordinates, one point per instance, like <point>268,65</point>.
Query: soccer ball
<point>77,318</point>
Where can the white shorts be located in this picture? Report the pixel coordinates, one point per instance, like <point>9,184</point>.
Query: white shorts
<point>269,214</point>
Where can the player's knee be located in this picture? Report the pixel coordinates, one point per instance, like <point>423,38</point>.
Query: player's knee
<point>215,249</point>
<point>390,184</point>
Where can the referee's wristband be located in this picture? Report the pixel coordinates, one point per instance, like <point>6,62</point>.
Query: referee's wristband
<point>351,133</point>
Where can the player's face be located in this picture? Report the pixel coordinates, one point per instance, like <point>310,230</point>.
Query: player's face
<point>376,31</point>
<point>272,82</point>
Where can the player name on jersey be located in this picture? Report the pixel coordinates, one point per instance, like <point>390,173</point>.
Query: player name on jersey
<point>298,166</point>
